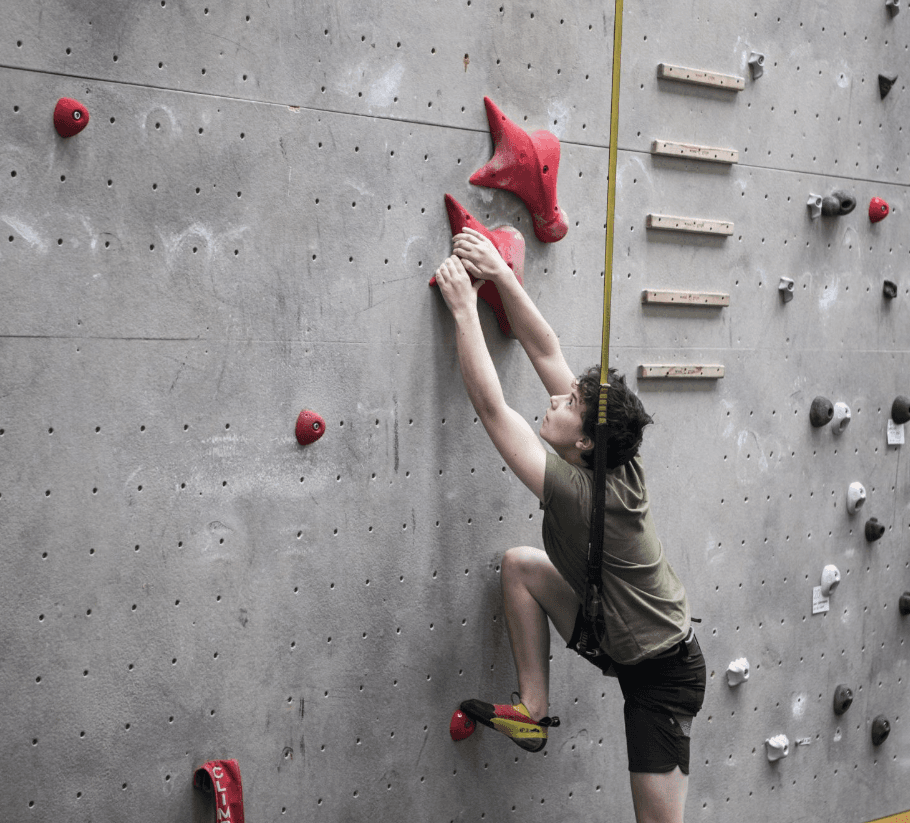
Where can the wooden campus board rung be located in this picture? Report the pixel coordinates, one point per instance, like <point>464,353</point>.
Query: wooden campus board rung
<point>689,151</point>
<point>694,225</point>
<point>681,371</point>
<point>685,298</point>
<point>700,78</point>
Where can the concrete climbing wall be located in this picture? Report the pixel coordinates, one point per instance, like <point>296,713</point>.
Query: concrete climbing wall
<point>246,228</point>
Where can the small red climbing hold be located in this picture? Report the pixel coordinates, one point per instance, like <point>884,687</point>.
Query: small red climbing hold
<point>878,209</point>
<point>70,117</point>
<point>461,726</point>
<point>310,427</point>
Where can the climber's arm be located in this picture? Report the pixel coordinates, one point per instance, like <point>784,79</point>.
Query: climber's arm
<point>481,259</point>
<point>511,434</point>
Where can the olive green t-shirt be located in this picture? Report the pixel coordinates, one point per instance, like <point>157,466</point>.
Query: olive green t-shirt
<point>647,611</point>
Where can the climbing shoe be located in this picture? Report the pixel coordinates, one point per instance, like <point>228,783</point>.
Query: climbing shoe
<point>512,721</point>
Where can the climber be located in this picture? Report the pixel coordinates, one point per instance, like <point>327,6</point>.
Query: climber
<point>649,645</point>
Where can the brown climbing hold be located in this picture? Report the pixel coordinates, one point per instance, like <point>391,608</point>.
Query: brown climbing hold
<point>843,697</point>
<point>900,410</point>
<point>874,529</point>
<point>881,728</point>
<point>310,427</point>
<point>885,82</point>
<point>70,117</point>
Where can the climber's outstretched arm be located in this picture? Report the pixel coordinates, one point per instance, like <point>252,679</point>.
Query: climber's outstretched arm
<point>481,259</point>
<point>513,437</point>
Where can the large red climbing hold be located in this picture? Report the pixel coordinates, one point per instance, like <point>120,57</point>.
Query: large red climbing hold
<point>461,726</point>
<point>527,165</point>
<point>310,427</point>
<point>508,242</point>
<point>878,209</point>
<point>70,117</point>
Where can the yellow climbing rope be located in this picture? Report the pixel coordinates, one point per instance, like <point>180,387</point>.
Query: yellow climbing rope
<point>611,214</point>
<point>593,605</point>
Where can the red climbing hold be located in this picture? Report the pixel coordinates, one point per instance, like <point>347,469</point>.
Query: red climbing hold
<point>310,427</point>
<point>70,117</point>
<point>221,778</point>
<point>461,726</point>
<point>509,243</point>
<point>525,164</point>
<point>878,209</point>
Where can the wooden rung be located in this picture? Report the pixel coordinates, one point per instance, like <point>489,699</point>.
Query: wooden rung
<point>689,151</point>
<point>700,78</point>
<point>686,371</point>
<point>685,298</point>
<point>694,225</point>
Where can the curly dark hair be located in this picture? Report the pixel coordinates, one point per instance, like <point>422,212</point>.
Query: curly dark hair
<point>626,416</point>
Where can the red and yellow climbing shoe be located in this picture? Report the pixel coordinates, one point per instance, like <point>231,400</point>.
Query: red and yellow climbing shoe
<point>512,721</point>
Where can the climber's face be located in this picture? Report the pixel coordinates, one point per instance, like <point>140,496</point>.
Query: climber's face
<point>562,425</point>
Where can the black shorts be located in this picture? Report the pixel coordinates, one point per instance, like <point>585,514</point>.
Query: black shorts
<point>662,695</point>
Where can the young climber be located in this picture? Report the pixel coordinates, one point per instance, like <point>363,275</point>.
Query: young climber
<point>649,645</point>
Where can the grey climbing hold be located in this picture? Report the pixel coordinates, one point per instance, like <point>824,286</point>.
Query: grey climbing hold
<point>786,288</point>
<point>856,497</point>
<point>889,289</point>
<point>738,672</point>
<point>756,64</point>
<point>900,410</point>
<point>842,417</point>
<point>881,728</point>
<point>815,205</point>
<point>821,412</point>
<point>843,697</point>
<point>777,747</point>
<point>874,529</point>
<point>830,580</point>
<point>885,82</point>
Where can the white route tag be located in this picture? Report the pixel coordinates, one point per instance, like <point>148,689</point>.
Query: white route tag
<point>895,434</point>
<point>819,602</point>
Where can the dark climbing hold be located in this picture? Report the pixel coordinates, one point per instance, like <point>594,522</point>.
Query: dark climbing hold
<point>900,410</point>
<point>874,529</point>
<point>847,201</point>
<point>889,289</point>
<point>878,209</point>
<point>830,206</point>
<point>904,603</point>
<point>881,728</point>
<point>461,725</point>
<point>70,117</point>
<point>838,203</point>
<point>310,427</point>
<point>843,697</point>
<point>885,82</point>
<point>821,412</point>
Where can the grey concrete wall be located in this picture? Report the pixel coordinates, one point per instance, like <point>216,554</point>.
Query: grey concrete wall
<point>246,228</point>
